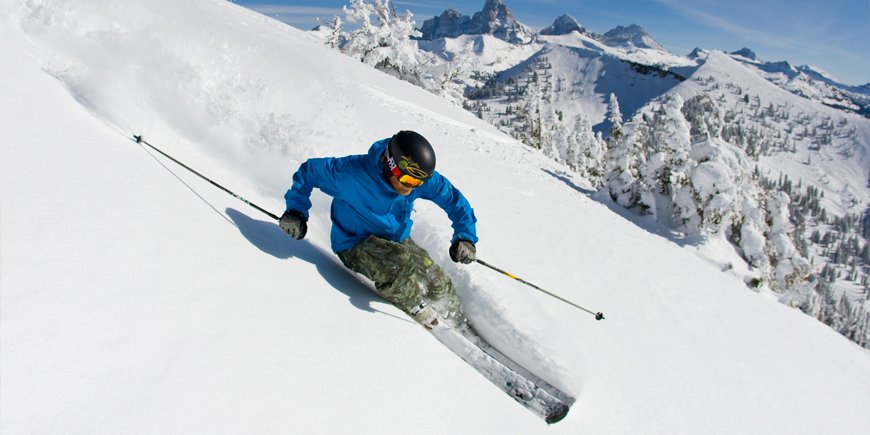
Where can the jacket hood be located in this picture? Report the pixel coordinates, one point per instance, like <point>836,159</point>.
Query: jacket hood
<point>373,162</point>
<point>376,151</point>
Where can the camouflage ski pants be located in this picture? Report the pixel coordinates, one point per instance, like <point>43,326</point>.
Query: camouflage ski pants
<point>404,274</point>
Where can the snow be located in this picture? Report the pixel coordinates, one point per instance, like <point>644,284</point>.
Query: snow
<point>491,54</point>
<point>639,54</point>
<point>137,298</point>
<point>840,171</point>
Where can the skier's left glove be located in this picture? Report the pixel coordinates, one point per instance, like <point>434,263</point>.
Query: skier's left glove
<point>293,222</point>
<point>463,251</point>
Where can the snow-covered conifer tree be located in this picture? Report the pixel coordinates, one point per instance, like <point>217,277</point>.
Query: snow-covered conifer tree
<point>752,240</point>
<point>623,158</point>
<point>791,268</point>
<point>717,184</point>
<point>614,116</point>
<point>667,168</point>
<point>586,149</point>
<point>533,112</point>
<point>703,115</point>
<point>448,78</point>
<point>335,34</point>
<point>383,37</point>
<point>595,160</point>
<point>548,136</point>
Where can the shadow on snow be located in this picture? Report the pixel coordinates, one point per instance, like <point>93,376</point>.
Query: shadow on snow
<point>269,238</point>
<point>646,223</point>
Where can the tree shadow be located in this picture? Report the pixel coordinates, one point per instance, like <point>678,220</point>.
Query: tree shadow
<point>646,223</point>
<point>569,182</point>
<point>270,239</point>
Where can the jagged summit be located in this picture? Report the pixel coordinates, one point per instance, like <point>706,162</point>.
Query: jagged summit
<point>495,19</point>
<point>698,53</point>
<point>747,53</point>
<point>563,25</point>
<point>632,36</point>
<point>450,23</point>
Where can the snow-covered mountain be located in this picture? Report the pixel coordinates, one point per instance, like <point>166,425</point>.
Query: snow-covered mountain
<point>746,53</point>
<point>580,72</point>
<point>576,82</point>
<point>495,19</point>
<point>839,166</point>
<point>137,298</point>
<point>630,38</point>
<point>564,25</point>
<point>811,83</point>
<point>584,66</point>
<point>634,44</point>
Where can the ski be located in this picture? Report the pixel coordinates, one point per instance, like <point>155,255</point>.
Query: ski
<point>533,393</point>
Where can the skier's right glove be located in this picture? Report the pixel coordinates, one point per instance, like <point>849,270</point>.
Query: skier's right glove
<point>463,251</point>
<point>293,222</point>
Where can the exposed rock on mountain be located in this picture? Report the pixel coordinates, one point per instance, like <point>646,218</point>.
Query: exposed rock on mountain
<point>495,19</point>
<point>563,25</point>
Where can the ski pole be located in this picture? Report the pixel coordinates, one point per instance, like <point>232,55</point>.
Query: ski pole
<point>598,316</point>
<point>141,141</point>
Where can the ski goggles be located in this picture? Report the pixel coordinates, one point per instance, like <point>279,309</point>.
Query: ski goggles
<point>405,179</point>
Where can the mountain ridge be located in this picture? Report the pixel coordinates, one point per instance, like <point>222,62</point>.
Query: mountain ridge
<point>496,19</point>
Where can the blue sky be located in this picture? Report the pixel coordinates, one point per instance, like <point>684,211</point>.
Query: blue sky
<point>833,35</point>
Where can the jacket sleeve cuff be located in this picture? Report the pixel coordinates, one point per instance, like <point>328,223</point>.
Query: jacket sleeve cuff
<point>464,236</point>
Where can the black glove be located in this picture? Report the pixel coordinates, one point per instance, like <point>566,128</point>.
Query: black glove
<point>463,251</point>
<point>293,222</point>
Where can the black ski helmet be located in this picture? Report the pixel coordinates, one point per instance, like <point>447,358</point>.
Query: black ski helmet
<point>412,154</point>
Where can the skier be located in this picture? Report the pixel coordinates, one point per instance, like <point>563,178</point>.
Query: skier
<point>373,196</point>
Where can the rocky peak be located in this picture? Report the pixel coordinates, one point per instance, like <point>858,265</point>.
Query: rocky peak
<point>495,19</point>
<point>450,23</point>
<point>698,53</point>
<point>747,53</point>
<point>563,25</point>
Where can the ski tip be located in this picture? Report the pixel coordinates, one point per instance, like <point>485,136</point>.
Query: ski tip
<point>557,414</point>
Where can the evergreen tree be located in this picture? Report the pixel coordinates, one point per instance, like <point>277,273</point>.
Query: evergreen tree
<point>335,38</point>
<point>614,117</point>
<point>383,38</point>
<point>449,78</point>
<point>623,159</point>
<point>791,268</point>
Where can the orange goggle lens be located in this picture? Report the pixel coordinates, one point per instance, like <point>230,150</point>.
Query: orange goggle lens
<point>405,179</point>
<point>410,181</point>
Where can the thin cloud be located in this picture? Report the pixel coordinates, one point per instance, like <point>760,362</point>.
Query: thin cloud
<point>781,41</point>
<point>424,9</point>
<point>429,5</point>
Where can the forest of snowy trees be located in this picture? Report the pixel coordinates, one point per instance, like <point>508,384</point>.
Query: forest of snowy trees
<point>679,161</point>
<point>691,165</point>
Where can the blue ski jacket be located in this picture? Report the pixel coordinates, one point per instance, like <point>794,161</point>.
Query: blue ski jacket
<point>365,204</point>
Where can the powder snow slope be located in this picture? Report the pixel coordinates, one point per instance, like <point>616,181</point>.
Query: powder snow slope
<point>838,169</point>
<point>136,298</point>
